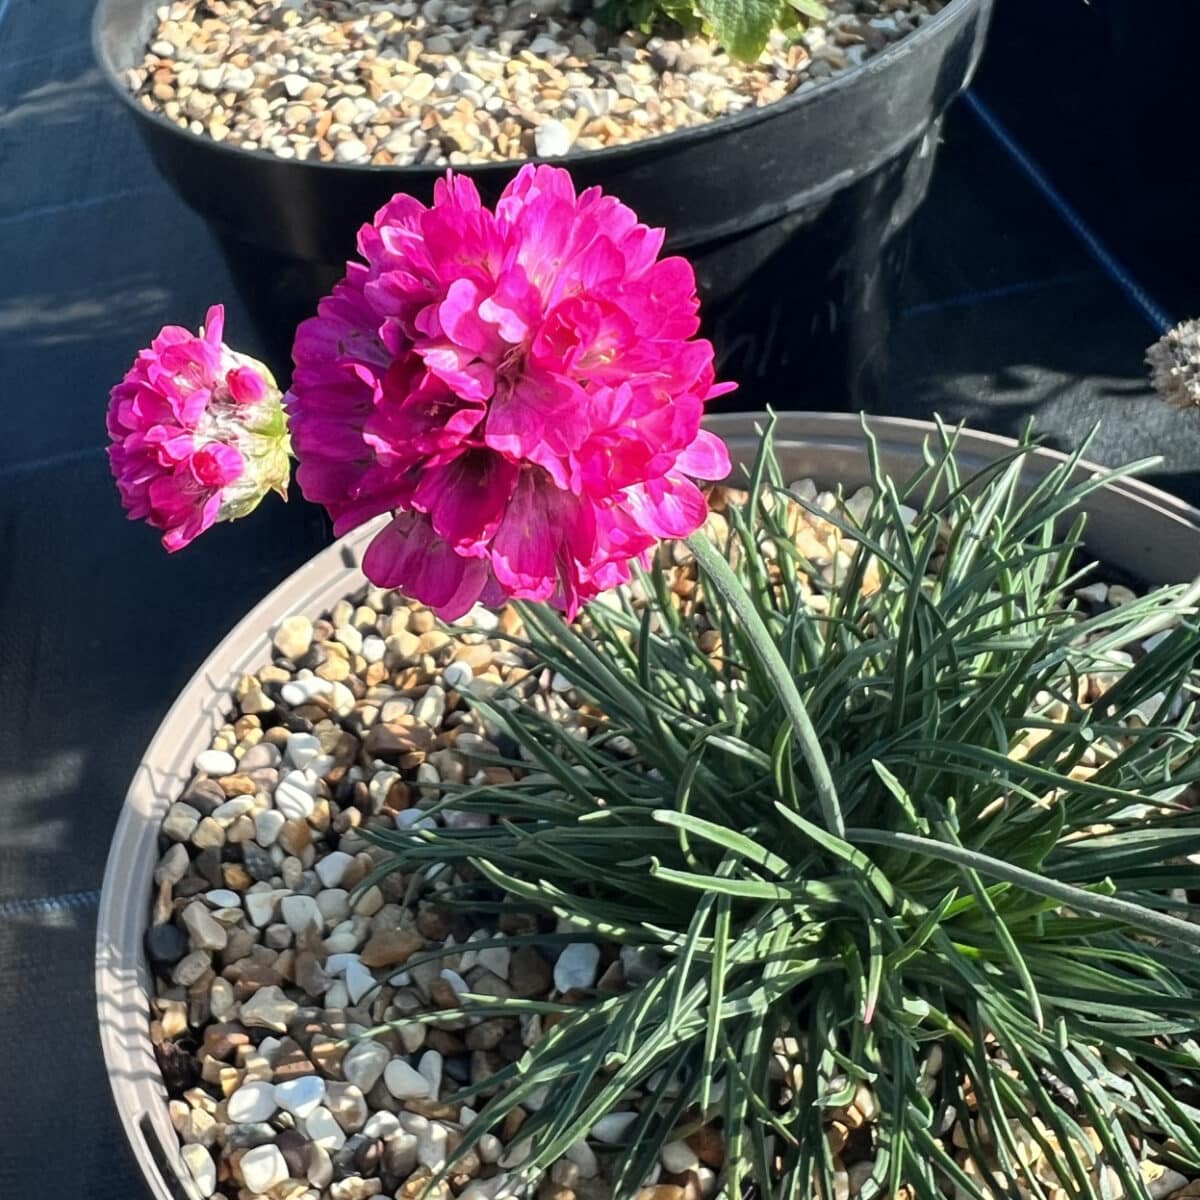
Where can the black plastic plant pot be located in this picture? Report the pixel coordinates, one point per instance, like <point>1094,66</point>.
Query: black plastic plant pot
<point>796,216</point>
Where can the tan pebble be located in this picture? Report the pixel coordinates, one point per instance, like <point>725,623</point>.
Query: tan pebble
<point>390,948</point>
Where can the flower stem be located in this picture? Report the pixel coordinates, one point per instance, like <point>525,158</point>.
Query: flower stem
<point>721,574</point>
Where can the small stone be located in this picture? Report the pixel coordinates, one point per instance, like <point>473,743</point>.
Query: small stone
<point>348,1105</point>
<point>216,762</point>
<point>252,1102</point>
<point>678,1158</point>
<point>359,981</point>
<point>391,947</point>
<point>180,822</point>
<point>355,1188</point>
<point>270,1009</point>
<point>205,931</point>
<point>576,966</point>
<point>334,904</point>
<point>497,959</point>
<point>320,1166</point>
<point>201,1167</point>
<point>348,151</point>
<point>301,1096</point>
<point>404,1082</point>
<point>611,1129</point>
<point>173,865</point>
<point>209,835</point>
<point>293,637</point>
<point>584,1157</point>
<point>552,138</point>
<point>430,1065</point>
<point>400,1153</point>
<point>191,967</point>
<point>332,868</point>
<point>324,1131</point>
<point>261,906</point>
<point>262,1168</point>
<point>301,913</point>
<point>364,1063</point>
<point>301,749</point>
<point>431,1146</point>
<point>1161,1181</point>
<point>165,944</point>
<point>294,798</point>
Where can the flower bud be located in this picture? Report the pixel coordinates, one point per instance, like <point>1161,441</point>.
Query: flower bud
<point>198,433</point>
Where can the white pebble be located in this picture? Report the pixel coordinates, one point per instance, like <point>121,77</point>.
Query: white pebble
<point>576,966</point>
<point>305,688</point>
<point>381,1124</point>
<point>359,981</point>
<point>201,1167</point>
<point>261,905</point>
<point>216,762</point>
<point>414,818</point>
<point>263,1167</point>
<point>678,1158</point>
<point>364,1063</point>
<point>333,867</point>
<point>267,825</point>
<point>456,981</point>
<point>431,1147</point>
<point>252,1102</point>
<point>430,1065</point>
<point>322,1130</point>
<point>584,1157</point>
<point>223,898</point>
<point>301,749</point>
<point>611,1129</point>
<point>334,904</point>
<point>552,139</point>
<point>373,649</point>
<point>457,675</point>
<point>293,797</point>
<point>301,1096</point>
<point>404,1082</point>
<point>301,913</point>
<point>497,959</point>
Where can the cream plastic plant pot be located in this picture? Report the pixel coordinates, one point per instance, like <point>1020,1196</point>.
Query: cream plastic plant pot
<point>1131,526</point>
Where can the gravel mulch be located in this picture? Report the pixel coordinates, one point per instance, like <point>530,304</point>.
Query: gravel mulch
<point>449,82</point>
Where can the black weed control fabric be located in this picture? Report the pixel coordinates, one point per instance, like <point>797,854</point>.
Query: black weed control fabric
<point>1008,313</point>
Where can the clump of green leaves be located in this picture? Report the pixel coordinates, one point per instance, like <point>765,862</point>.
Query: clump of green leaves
<point>741,26</point>
<point>1000,870</point>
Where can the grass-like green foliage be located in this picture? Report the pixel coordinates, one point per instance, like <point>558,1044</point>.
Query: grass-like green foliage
<point>741,26</point>
<point>1030,922</point>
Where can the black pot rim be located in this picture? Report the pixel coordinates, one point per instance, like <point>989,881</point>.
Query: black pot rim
<point>954,12</point>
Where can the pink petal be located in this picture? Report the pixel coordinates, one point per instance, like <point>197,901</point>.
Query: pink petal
<point>706,458</point>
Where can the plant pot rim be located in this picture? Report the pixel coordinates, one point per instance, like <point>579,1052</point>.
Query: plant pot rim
<point>1136,523</point>
<point>955,12</point>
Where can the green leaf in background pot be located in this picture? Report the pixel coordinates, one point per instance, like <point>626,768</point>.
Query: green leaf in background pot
<point>813,9</point>
<point>741,26</point>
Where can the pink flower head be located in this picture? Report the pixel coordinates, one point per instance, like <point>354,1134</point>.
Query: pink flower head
<point>522,389</point>
<point>198,433</point>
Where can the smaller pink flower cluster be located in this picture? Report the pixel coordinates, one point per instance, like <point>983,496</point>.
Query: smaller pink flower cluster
<point>521,388</point>
<point>198,433</point>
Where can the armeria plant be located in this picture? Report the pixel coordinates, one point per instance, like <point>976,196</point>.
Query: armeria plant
<point>911,826</point>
